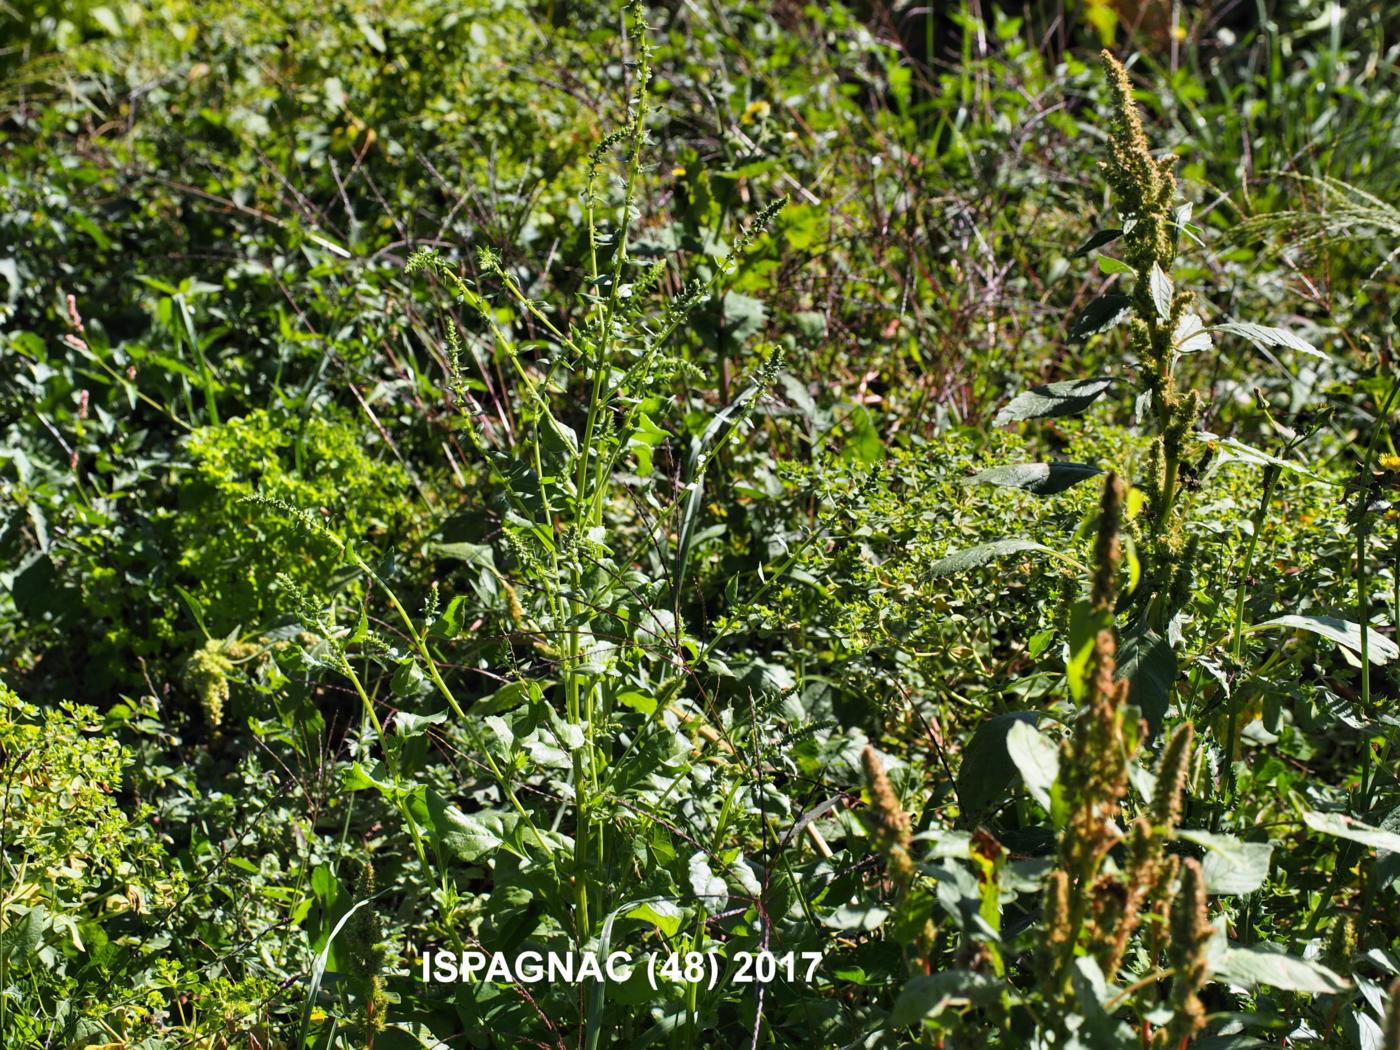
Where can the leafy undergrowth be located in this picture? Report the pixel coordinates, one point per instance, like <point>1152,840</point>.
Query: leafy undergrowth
<point>876,529</point>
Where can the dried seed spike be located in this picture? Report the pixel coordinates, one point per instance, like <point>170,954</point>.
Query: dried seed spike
<point>1171,778</point>
<point>1104,586</point>
<point>1190,932</point>
<point>892,827</point>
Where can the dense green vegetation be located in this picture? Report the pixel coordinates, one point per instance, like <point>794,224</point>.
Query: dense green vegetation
<point>714,482</point>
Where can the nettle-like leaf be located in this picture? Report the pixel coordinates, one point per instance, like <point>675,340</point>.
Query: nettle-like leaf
<point>1044,479</point>
<point>1267,336</point>
<point>1053,400</point>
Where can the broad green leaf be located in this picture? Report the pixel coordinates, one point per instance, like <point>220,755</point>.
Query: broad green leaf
<point>1251,967</point>
<point>1097,240</point>
<point>1148,662</point>
<point>927,996</point>
<point>664,915</point>
<point>450,622</point>
<point>468,837</point>
<point>855,917</point>
<point>987,767</point>
<point>1231,866</point>
<point>1191,336</point>
<point>1339,825</point>
<point>1380,649</point>
<point>22,937</point>
<point>1036,758</point>
<point>1267,336</point>
<point>637,701</point>
<point>1044,479</point>
<point>1053,400</point>
<point>708,887</point>
<point>1109,265</point>
<point>1103,313</point>
<point>972,557</point>
<point>1084,627</point>
<point>1159,283</point>
<point>471,553</point>
<point>406,723</point>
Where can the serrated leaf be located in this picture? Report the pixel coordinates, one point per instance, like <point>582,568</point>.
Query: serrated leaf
<point>972,557</point>
<point>1231,866</point>
<point>1035,758</point>
<point>1044,479</point>
<point>1101,314</point>
<point>1339,825</point>
<point>1380,649</point>
<point>1268,336</point>
<point>1160,285</point>
<point>1053,400</point>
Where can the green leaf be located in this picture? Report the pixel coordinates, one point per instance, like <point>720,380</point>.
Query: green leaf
<point>1231,866</point>
<point>472,553</point>
<point>1262,965</point>
<point>468,837</point>
<point>987,767</point>
<point>1044,479</point>
<point>708,887</point>
<point>972,557</point>
<point>1084,627</point>
<point>927,996</point>
<point>1191,336</point>
<point>1097,240</point>
<point>1341,826</point>
<point>1036,758</point>
<point>1148,662</point>
<point>1109,265</point>
<point>1267,336</point>
<point>449,623</point>
<point>1380,649</point>
<point>1160,285</point>
<point>855,917</point>
<point>664,915</point>
<point>22,937</point>
<point>408,724</point>
<point>637,701</point>
<point>1053,400</point>
<point>1103,313</point>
